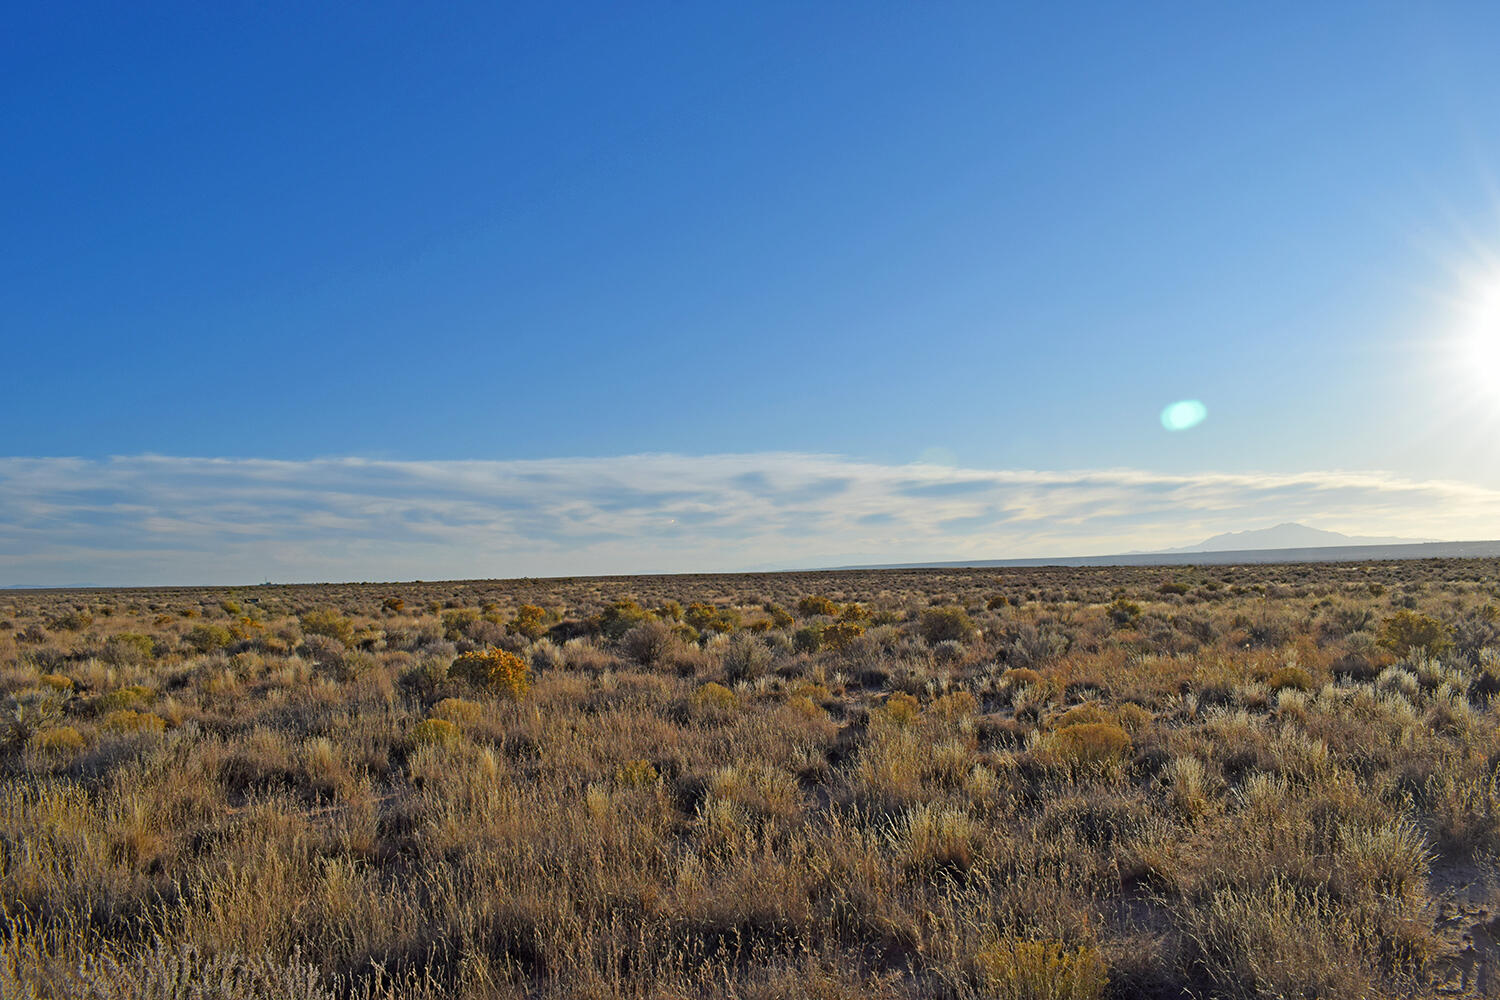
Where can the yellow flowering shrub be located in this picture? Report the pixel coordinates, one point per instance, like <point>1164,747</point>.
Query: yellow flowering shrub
<point>494,669</point>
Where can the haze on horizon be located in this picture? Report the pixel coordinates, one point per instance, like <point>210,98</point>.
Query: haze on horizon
<point>387,292</point>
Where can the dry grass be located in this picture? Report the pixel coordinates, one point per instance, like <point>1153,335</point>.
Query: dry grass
<point>1267,781</point>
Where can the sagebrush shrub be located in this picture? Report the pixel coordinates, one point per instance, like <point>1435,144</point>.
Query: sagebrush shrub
<point>746,659</point>
<point>648,643</point>
<point>73,621</point>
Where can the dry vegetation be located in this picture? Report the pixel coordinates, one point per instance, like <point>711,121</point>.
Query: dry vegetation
<point>1268,781</point>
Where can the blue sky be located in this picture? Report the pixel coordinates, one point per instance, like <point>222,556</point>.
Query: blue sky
<point>873,243</point>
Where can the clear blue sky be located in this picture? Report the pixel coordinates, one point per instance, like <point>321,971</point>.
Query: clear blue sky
<point>994,237</point>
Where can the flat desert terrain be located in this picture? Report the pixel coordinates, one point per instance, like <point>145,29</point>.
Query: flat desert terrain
<point>1222,781</point>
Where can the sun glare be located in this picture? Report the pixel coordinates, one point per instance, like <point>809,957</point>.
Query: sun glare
<point>1483,336</point>
<point>1471,360</point>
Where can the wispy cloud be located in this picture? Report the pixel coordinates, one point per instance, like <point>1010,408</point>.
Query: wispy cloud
<point>158,519</point>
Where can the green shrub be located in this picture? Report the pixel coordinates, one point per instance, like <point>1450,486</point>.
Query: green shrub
<point>1021,677</point>
<point>458,621</point>
<point>709,618</point>
<point>946,623</point>
<point>493,669</point>
<point>208,638</point>
<point>1291,677</point>
<point>328,622</point>
<point>780,617</point>
<point>808,639</point>
<point>1123,613</point>
<point>1406,631</point>
<point>620,617</point>
<point>129,648</point>
<point>954,705</point>
<point>135,696</point>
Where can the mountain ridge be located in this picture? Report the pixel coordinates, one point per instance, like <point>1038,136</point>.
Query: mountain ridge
<point>1290,535</point>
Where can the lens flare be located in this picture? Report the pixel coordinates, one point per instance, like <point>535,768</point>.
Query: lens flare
<point>1183,414</point>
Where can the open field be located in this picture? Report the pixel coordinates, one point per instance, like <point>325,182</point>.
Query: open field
<point>1225,781</point>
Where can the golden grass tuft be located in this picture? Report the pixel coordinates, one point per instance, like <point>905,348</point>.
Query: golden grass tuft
<point>1013,969</point>
<point>128,720</point>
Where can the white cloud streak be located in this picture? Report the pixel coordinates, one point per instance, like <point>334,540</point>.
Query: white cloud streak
<point>154,519</point>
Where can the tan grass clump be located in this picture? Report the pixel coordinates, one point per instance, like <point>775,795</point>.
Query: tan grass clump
<point>1091,743</point>
<point>458,711</point>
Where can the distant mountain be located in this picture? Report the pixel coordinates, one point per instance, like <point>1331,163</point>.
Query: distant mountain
<point>1289,536</point>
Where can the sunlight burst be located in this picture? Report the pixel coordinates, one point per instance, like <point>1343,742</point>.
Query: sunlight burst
<point>1482,337</point>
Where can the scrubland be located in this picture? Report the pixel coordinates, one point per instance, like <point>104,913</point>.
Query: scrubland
<point>1261,781</point>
